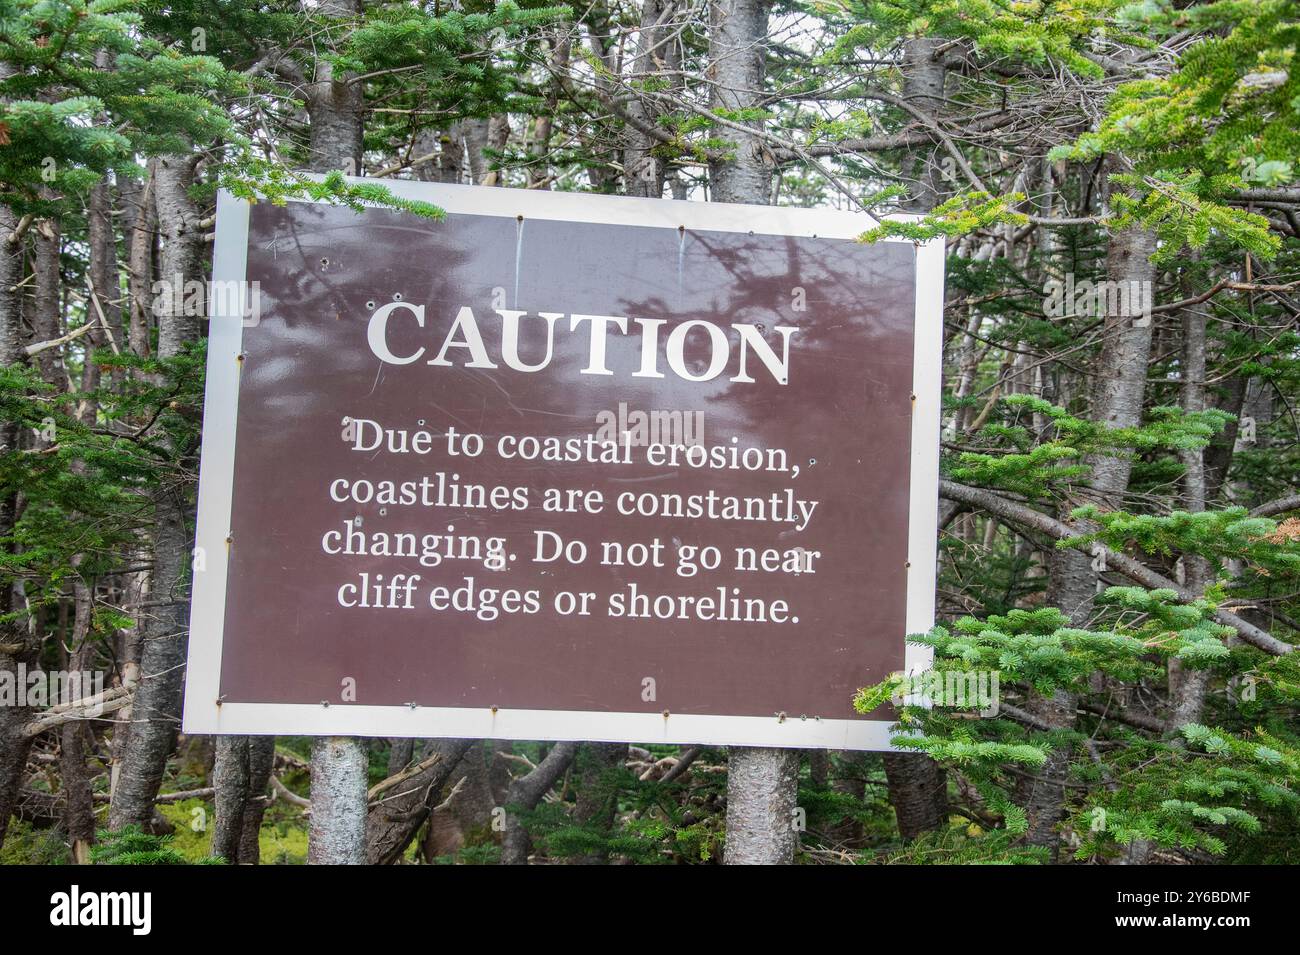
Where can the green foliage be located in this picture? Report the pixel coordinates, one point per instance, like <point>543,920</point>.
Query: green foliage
<point>86,494</point>
<point>970,845</point>
<point>1196,792</point>
<point>130,846</point>
<point>1037,466</point>
<point>956,216</point>
<point>655,823</point>
<point>1229,534</point>
<point>1227,117</point>
<point>259,180</point>
<point>52,101</point>
<point>1201,796</point>
<point>1180,207</point>
<point>1034,32</point>
<point>27,845</point>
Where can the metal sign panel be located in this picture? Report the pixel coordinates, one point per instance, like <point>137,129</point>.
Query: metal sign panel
<point>563,466</point>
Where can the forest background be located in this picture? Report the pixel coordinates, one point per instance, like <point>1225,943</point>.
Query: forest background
<point>1119,518</point>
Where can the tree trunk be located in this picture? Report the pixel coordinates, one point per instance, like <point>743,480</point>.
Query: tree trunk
<point>140,265</point>
<point>762,783</point>
<point>17,644</point>
<point>156,709</point>
<point>261,762</point>
<point>338,764</point>
<point>1122,368</point>
<point>643,172</point>
<point>597,798</point>
<point>337,835</point>
<point>230,779</point>
<point>737,36</point>
<point>1117,402</point>
<point>762,789</point>
<point>399,755</point>
<point>79,809</point>
<point>525,792</point>
<point>397,815</point>
<point>47,302</point>
<point>335,104</point>
<point>103,283</point>
<point>918,786</point>
<point>1187,685</point>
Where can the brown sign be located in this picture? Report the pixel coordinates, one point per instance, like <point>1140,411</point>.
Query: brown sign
<point>553,467</point>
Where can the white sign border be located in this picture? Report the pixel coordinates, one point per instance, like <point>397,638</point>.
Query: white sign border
<point>205,713</point>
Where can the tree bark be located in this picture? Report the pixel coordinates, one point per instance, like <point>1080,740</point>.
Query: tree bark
<point>399,755</point>
<point>1121,377</point>
<point>918,786</point>
<point>335,103</point>
<point>762,783</point>
<point>643,172</point>
<point>525,792</point>
<point>230,780</point>
<point>156,710</point>
<point>335,106</point>
<point>337,835</point>
<point>737,33</point>
<point>47,302</point>
<point>140,266</point>
<point>397,815</point>
<point>762,791</point>
<point>79,809</point>
<point>1117,401</point>
<point>17,641</point>
<point>103,281</point>
<point>1187,685</point>
<point>261,762</point>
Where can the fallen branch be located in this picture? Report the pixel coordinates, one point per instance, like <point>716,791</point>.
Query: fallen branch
<point>109,701</point>
<point>455,790</point>
<point>397,779</point>
<point>180,796</point>
<point>37,347</point>
<point>1216,288</point>
<point>1134,569</point>
<point>683,763</point>
<point>288,795</point>
<point>23,225</point>
<point>1288,503</point>
<point>393,821</point>
<point>1129,717</point>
